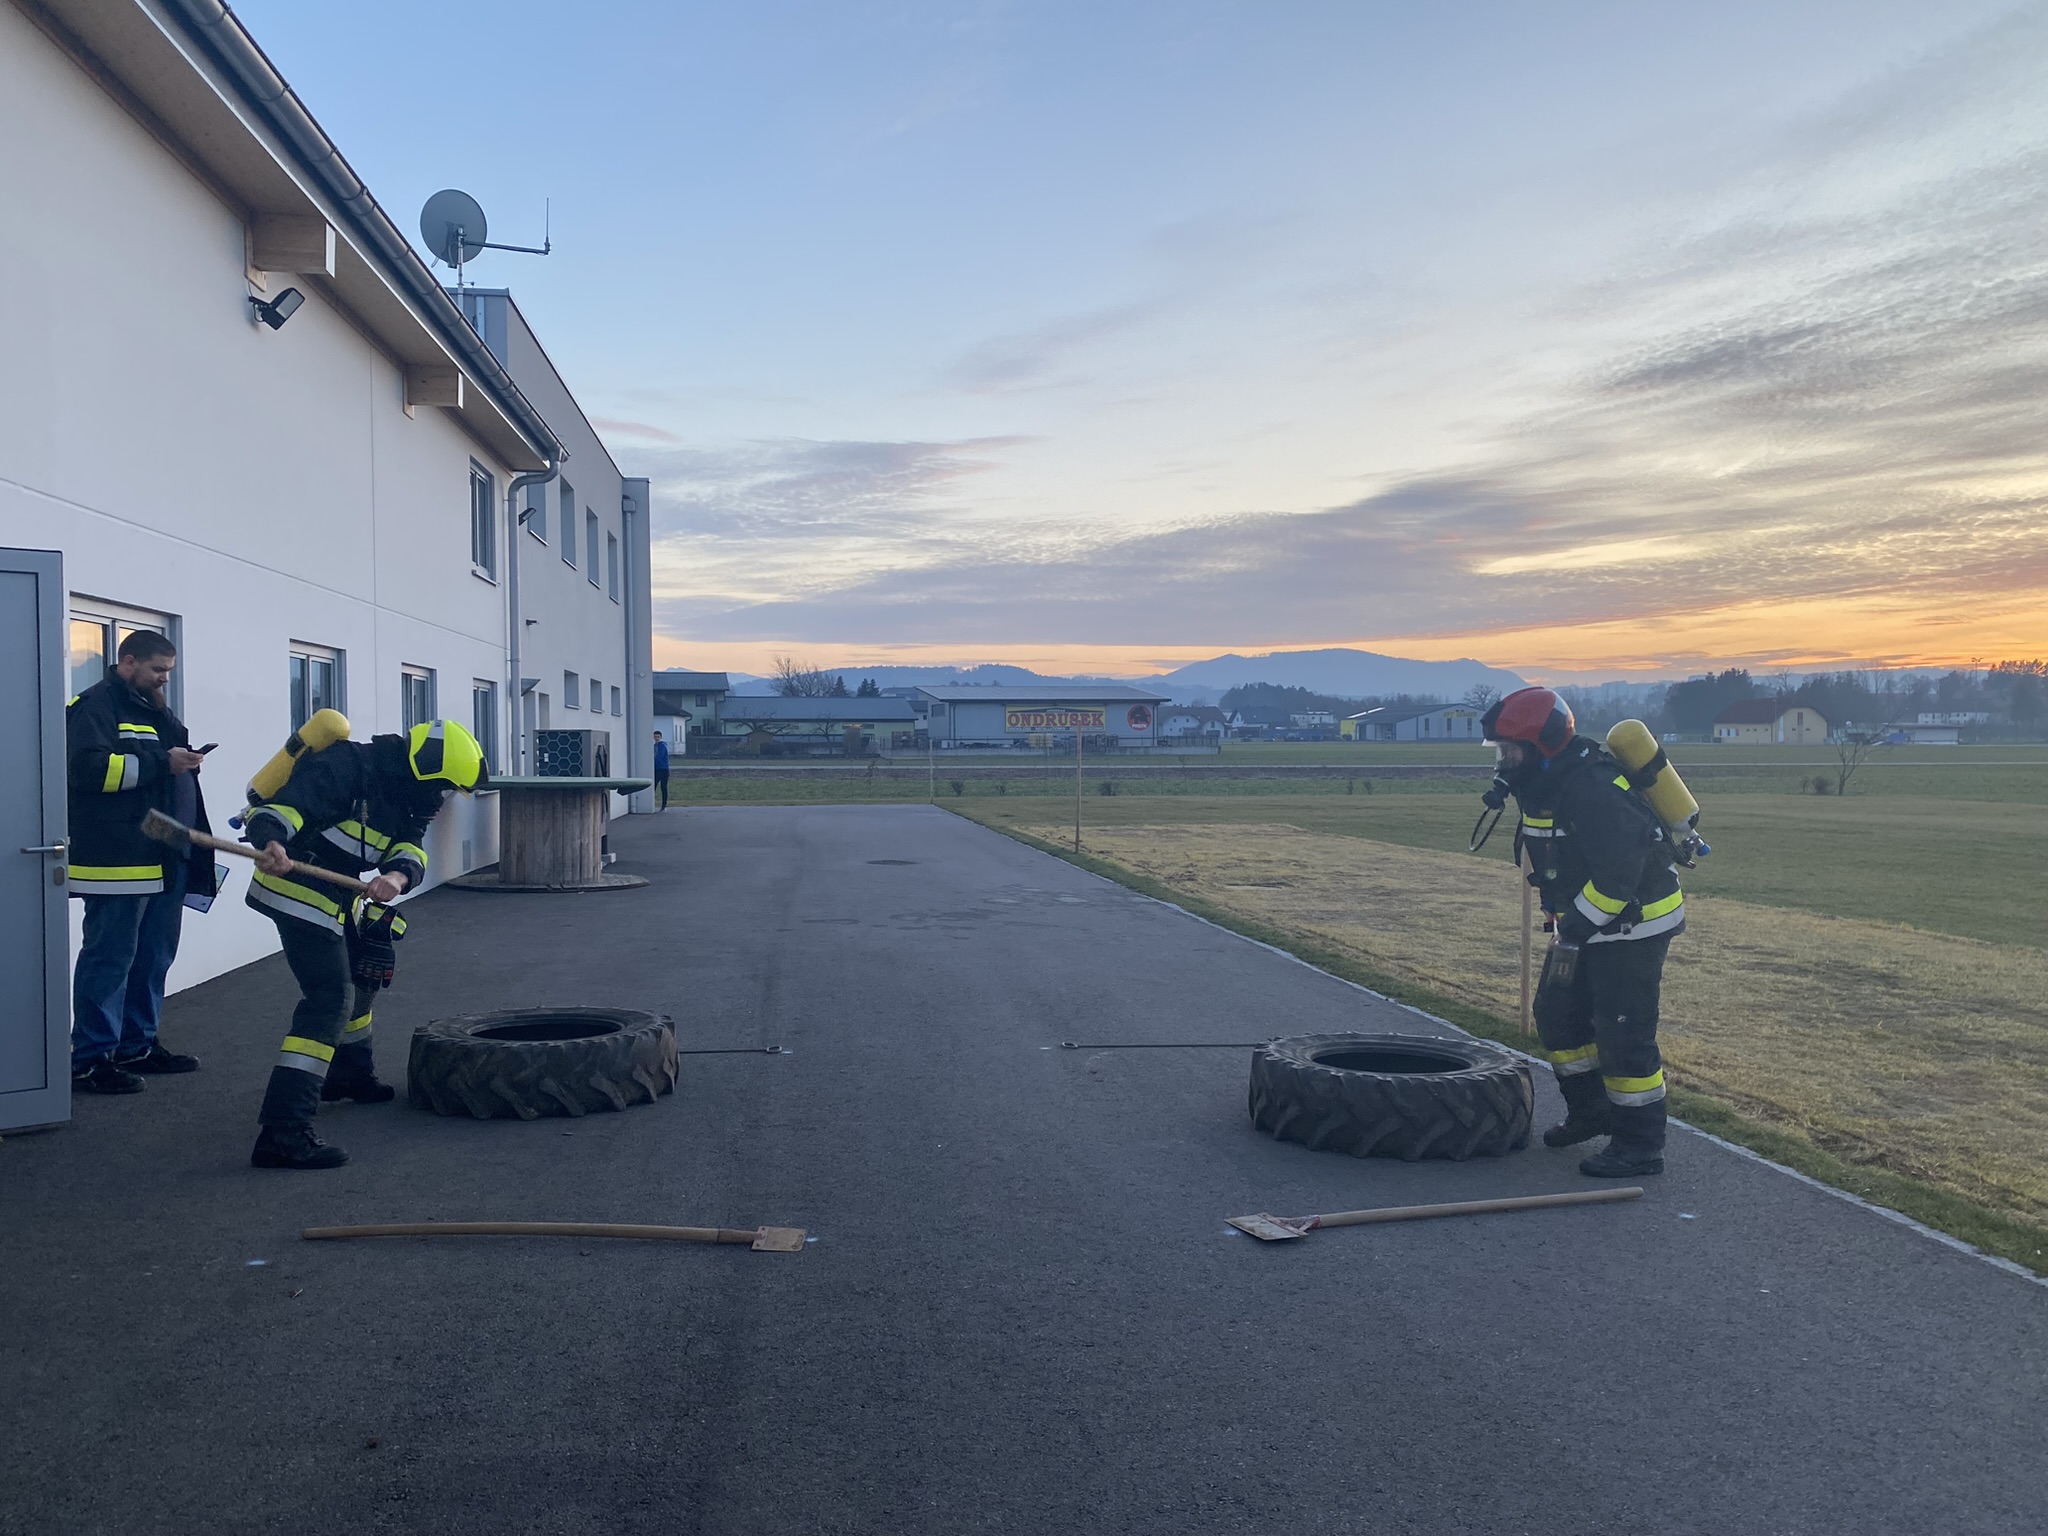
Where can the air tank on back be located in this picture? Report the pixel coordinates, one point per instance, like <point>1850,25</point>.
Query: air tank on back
<point>325,728</point>
<point>1636,749</point>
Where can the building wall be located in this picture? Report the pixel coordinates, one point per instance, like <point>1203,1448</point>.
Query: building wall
<point>1452,724</point>
<point>260,487</point>
<point>1801,728</point>
<point>580,627</point>
<point>1740,735</point>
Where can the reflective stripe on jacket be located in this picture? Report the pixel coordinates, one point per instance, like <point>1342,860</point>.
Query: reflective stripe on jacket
<point>1598,849</point>
<point>117,770</point>
<point>351,807</point>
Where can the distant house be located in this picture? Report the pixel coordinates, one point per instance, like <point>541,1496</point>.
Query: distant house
<point>1429,722</point>
<point>1198,723</point>
<point>1771,722</point>
<point>686,704</point>
<point>851,725</point>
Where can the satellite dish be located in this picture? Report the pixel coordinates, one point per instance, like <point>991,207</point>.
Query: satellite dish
<point>454,227</point>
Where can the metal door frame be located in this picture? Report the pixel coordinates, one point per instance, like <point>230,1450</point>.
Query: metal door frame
<point>50,1104</point>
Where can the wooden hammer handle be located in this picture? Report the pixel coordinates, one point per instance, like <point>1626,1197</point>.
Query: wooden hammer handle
<point>539,1229</point>
<point>309,871</point>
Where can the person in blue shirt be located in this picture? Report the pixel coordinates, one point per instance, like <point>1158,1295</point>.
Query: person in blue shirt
<point>661,768</point>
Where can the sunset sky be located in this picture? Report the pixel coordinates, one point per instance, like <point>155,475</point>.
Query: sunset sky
<point>1592,340</point>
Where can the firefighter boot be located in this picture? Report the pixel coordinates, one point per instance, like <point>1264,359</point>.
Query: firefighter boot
<point>353,1077</point>
<point>1619,1160</point>
<point>1637,1146</point>
<point>1585,1111</point>
<point>294,1146</point>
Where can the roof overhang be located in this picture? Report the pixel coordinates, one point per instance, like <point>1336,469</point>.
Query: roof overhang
<point>152,59</point>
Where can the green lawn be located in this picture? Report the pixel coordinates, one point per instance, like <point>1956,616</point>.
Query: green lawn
<point>1953,849</point>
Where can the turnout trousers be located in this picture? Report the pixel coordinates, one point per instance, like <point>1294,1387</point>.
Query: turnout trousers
<point>330,1028</point>
<point>1600,1034</point>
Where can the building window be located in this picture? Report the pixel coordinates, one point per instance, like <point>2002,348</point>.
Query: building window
<point>568,523</point>
<point>572,691</point>
<point>97,630</point>
<point>596,697</point>
<point>317,679</point>
<point>483,520</point>
<point>590,548</point>
<point>703,699</point>
<point>543,713</point>
<point>611,565</point>
<point>615,699</point>
<point>483,719</point>
<point>537,504</point>
<point>415,695</point>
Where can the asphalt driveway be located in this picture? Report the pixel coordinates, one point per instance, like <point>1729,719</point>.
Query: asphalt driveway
<point>1023,1312</point>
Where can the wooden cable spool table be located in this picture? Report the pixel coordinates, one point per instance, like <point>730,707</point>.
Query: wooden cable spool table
<point>551,836</point>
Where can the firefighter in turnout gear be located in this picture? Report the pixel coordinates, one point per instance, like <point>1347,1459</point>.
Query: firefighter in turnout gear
<point>1604,868</point>
<point>352,807</point>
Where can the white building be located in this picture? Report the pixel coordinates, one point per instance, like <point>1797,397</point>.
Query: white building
<point>1204,723</point>
<point>317,512</point>
<point>1430,722</point>
<point>581,581</point>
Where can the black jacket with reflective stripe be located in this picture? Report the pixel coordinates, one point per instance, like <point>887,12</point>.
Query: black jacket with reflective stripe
<point>117,770</point>
<point>1584,827</point>
<point>352,807</point>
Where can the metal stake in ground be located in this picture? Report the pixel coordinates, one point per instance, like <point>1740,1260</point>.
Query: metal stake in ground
<point>1277,1229</point>
<point>1077,787</point>
<point>760,1239</point>
<point>1526,919</point>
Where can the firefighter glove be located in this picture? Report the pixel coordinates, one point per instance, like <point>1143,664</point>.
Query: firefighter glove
<point>373,957</point>
<point>1574,927</point>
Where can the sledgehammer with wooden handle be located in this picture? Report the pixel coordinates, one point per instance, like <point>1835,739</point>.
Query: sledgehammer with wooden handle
<point>175,834</point>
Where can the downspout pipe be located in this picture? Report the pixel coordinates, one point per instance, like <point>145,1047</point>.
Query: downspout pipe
<point>638,748</point>
<point>515,640</point>
<point>217,31</point>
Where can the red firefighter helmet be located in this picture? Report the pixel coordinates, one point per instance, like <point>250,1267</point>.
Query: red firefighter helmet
<point>1534,715</point>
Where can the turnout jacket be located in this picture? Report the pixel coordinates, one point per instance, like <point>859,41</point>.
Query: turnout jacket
<point>351,807</point>
<point>117,770</point>
<point>1603,865</point>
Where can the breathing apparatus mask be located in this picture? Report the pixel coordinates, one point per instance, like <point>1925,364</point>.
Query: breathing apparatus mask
<point>1514,764</point>
<point>1526,728</point>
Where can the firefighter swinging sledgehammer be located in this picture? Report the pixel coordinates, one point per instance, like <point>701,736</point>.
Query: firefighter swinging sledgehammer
<point>1605,869</point>
<point>350,807</point>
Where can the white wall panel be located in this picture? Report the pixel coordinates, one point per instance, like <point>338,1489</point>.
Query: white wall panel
<point>262,486</point>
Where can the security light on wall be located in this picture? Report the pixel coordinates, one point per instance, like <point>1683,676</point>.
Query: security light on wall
<point>274,312</point>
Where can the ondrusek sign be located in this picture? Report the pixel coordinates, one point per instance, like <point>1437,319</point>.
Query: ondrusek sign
<point>1028,721</point>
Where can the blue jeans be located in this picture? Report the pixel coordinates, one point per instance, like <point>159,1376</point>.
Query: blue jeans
<point>117,989</point>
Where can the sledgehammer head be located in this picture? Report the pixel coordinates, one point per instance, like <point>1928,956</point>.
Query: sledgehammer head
<point>172,834</point>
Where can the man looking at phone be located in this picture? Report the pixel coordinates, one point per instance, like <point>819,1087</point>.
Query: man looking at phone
<point>129,755</point>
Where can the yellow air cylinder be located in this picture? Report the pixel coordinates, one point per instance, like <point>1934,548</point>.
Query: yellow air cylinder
<point>1636,749</point>
<point>325,728</point>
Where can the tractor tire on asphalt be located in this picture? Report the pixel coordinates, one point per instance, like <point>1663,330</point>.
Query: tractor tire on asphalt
<point>1406,1096</point>
<point>532,1062</point>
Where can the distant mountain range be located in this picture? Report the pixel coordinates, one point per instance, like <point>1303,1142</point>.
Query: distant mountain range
<point>1339,672</point>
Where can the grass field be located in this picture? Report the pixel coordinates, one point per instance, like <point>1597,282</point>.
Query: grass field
<point>1862,990</point>
<point>1947,847</point>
